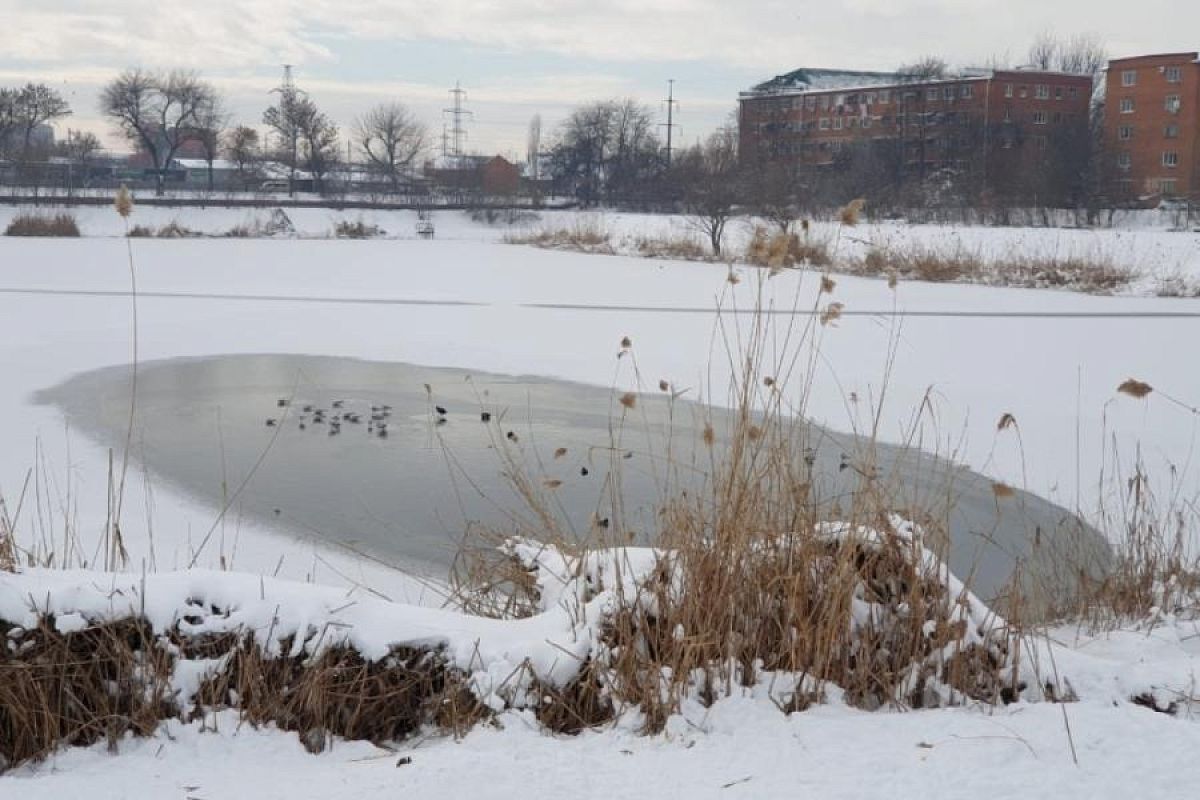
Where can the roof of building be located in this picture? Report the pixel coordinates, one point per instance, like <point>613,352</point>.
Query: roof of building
<point>218,164</point>
<point>805,80</point>
<point>1194,56</point>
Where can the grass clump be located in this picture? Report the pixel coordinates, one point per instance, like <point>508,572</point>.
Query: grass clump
<point>172,230</point>
<point>359,229</point>
<point>26,223</point>
<point>780,249</point>
<point>586,235</point>
<point>680,248</point>
<point>1094,273</point>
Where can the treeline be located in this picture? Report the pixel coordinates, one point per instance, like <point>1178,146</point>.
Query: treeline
<point>159,113</point>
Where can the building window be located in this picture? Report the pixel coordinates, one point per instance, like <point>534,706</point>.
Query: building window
<point>870,98</point>
<point>1073,92</point>
<point>837,123</point>
<point>1058,93</point>
<point>1129,77</point>
<point>931,94</point>
<point>1166,186</point>
<point>950,93</point>
<point>852,122</point>
<point>839,100</point>
<point>824,101</point>
<point>1008,89</point>
<point>824,123</point>
<point>967,90</point>
<point>1041,91</point>
<point>1125,133</point>
<point>1171,132</point>
<point>1039,118</point>
<point>1007,114</point>
<point>1172,103</point>
<point>1024,92</point>
<point>1170,158</point>
<point>1041,142</point>
<point>1124,160</point>
<point>810,102</point>
<point>1174,74</point>
<point>1126,105</point>
<point>866,123</point>
<point>884,96</point>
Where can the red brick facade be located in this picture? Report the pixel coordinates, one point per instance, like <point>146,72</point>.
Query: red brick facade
<point>987,123</point>
<point>1152,127</point>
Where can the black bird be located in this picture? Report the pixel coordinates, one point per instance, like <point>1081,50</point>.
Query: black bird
<point>270,423</point>
<point>485,416</point>
<point>603,523</point>
<point>441,421</point>
<point>303,426</point>
<point>383,433</point>
<point>338,403</point>
<point>512,437</point>
<point>308,407</point>
<point>583,471</point>
<point>281,402</point>
<point>441,411</point>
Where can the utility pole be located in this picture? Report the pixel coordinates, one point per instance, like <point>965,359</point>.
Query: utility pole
<point>670,123</point>
<point>457,132</point>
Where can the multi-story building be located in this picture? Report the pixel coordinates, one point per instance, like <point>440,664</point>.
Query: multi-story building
<point>1152,127</point>
<point>982,126</point>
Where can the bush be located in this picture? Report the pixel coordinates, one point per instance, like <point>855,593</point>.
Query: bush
<point>172,230</point>
<point>278,223</point>
<point>682,248</point>
<point>586,235</point>
<point>31,224</point>
<point>356,230</point>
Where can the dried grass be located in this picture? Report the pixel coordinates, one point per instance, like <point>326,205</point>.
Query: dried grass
<point>587,235</point>
<point>28,223</point>
<point>1095,273</point>
<point>781,250</point>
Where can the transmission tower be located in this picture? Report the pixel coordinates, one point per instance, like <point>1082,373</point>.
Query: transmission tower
<point>670,125</point>
<point>456,136</point>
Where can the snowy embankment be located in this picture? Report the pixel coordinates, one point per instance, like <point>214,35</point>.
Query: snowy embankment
<point>1105,743</point>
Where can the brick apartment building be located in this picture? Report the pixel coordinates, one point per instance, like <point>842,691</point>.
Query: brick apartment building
<point>993,131</point>
<point>1152,127</point>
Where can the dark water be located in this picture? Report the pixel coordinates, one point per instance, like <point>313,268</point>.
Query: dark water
<point>410,496</point>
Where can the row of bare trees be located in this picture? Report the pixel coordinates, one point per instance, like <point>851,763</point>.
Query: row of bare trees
<point>160,112</point>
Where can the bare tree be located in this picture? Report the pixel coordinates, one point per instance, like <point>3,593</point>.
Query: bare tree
<point>158,112</point>
<point>306,137</point>
<point>211,120</point>
<point>79,147</point>
<point>928,68</point>
<point>8,118</point>
<point>392,139</point>
<point>283,120</point>
<point>318,142</point>
<point>710,182</point>
<point>1043,53</point>
<point>608,150</point>
<point>36,105</point>
<point>242,148</point>
<point>1084,54</point>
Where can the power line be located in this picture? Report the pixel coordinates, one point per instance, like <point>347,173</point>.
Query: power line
<point>457,135</point>
<point>670,123</point>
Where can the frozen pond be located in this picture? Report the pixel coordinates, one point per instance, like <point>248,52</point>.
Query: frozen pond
<point>385,473</point>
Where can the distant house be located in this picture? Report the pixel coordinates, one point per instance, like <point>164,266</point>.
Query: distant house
<point>493,176</point>
<point>195,171</point>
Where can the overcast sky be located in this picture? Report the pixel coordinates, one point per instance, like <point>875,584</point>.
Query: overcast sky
<point>520,57</point>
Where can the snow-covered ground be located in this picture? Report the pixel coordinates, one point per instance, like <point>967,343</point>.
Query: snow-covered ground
<point>465,300</point>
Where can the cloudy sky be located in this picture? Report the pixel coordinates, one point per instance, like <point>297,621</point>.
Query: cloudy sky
<point>517,58</point>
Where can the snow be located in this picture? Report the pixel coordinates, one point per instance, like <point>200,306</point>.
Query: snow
<point>1056,376</point>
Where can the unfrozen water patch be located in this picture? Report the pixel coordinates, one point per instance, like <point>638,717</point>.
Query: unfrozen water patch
<point>400,461</point>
